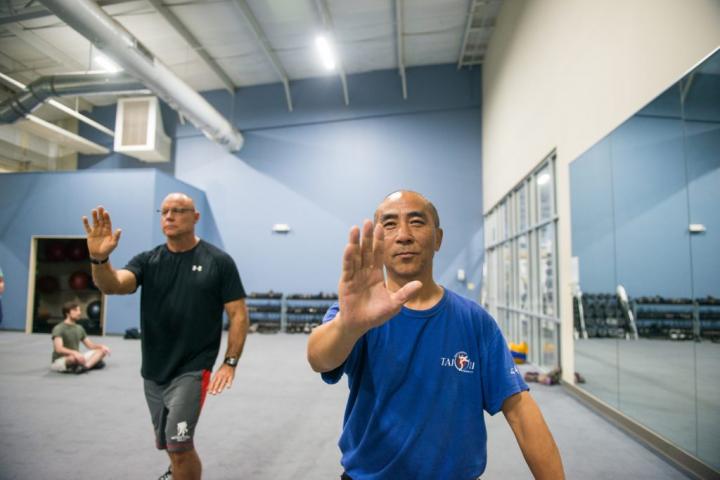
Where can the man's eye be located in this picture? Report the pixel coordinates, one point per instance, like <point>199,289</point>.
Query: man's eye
<point>389,225</point>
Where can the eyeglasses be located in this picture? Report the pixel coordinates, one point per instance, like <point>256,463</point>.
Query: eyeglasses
<point>174,211</point>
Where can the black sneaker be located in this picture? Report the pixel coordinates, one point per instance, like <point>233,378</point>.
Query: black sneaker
<point>167,475</point>
<point>99,365</point>
<point>78,369</point>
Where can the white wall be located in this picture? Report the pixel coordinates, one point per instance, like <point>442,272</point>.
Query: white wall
<point>563,74</point>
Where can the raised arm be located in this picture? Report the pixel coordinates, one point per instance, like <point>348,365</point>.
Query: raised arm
<point>101,242</point>
<point>533,437</point>
<point>365,302</point>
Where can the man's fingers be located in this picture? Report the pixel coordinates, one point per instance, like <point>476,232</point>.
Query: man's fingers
<point>366,245</point>
<point>96,218</point>
<point>406,292</point>
<point>106,221</point>
<point>354,236</point>
<point>348,267</point>
<point>116,237</point>
<point>378,246</point>
<point>86,224</point>
<point>355,244</point>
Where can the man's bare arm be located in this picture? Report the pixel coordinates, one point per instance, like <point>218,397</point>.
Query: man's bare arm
<point>533,437</point>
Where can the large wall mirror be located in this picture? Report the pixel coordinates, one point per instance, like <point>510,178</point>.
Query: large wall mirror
<point>646,236</point>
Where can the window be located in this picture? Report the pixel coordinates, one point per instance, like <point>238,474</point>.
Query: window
<point>521,263</point>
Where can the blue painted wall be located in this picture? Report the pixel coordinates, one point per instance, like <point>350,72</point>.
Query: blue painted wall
<point>52,204</point>
<point>325,166</point>
<point>635,193</point>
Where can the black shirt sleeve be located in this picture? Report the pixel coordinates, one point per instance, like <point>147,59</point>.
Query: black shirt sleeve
<point>232,287</point>
<point>137,266</point>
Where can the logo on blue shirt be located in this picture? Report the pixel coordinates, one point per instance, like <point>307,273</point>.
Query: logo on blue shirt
<point>460,361</point>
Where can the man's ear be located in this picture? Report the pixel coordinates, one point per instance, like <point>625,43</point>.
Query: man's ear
<point>438,238</point>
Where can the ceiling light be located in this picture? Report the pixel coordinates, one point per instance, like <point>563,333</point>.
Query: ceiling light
<point>327,57</point>
<point>106,64</point>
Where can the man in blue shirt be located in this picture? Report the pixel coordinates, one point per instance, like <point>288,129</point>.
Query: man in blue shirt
<point>422,362</point>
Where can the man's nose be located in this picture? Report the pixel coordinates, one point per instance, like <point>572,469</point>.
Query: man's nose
<point>404,235</point>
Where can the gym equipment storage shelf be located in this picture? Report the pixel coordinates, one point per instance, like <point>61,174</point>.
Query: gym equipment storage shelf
<point>600,315</point>
<point>678,318</point>
<point>306,311</point>
<point>60,272</point>
<point>266,311</point>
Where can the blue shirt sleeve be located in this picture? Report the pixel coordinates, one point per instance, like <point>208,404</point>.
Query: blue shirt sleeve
<point>333,376</point>
<point>501,378</point>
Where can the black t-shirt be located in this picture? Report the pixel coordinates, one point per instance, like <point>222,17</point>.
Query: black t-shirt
<point>181,307</point>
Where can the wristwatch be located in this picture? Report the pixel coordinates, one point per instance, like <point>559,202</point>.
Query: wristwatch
<point>232,361</point>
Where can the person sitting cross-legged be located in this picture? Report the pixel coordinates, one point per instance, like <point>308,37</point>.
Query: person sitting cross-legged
<point>66,337</point>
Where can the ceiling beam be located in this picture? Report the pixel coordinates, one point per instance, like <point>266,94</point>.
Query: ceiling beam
<point>328,25</point>
<point>400,45</point>
<point>47,49</point>
<point>266,47</point>
<point>42,12</point>
<point>469,28</point>
<point>182,30</point>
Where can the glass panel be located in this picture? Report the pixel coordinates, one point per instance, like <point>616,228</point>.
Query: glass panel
<point>523,217</point>
<point>645,216</point>
<point>545,195</point>
<point>523,270</point>
<point>506,299</point>
<point>525,332</point>
<point>549,359</point>
<point>701,123</point>
<point>546,269</point>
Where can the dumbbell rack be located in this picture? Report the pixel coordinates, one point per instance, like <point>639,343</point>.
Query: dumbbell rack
<point>678,318</point>
<point>272,312</point>
<point>303,312</point>
<point>266,311</point>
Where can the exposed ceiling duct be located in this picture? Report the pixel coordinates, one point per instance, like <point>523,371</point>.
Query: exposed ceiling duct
<point>88,19</point>
<point>25,102</point>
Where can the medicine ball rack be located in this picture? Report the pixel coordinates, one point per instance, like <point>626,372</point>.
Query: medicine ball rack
<point>60,272</point>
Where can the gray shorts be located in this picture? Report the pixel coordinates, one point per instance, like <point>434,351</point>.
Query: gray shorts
<point>175,408</point>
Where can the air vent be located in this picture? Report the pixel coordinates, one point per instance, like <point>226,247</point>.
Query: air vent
<point>139,131</point>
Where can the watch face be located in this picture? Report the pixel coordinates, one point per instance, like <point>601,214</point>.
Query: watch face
<point>231,361</point>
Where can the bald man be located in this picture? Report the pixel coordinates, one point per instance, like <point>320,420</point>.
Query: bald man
<point>422,362</point>
<point>186,284</point>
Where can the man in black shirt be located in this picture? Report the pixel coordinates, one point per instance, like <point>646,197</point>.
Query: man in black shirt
<point>186,283</point>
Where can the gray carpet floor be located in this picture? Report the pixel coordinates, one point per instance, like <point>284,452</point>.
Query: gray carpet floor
<point>279,421</point>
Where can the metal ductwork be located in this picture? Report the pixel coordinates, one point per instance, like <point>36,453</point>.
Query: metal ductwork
<point>25,102</point>
<point>88,19</point>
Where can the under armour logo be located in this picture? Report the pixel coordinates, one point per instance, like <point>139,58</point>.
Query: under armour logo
<point>197,268</point>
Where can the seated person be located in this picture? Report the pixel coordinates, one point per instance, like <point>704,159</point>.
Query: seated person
<point>66,337</point>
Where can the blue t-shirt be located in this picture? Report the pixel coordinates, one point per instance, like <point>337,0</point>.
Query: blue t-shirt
<point>418,387</point>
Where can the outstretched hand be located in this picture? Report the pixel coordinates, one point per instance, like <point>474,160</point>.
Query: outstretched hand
<point>365,301</point>
<point>101,240</point>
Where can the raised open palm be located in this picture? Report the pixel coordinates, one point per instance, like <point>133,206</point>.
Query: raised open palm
<point>101,240</point>
<point>365,301</point>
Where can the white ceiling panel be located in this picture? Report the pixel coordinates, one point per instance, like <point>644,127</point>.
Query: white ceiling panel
<point>433,32</point>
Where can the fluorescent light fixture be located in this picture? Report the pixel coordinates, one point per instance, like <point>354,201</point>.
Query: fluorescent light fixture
<point>543,179</point>
<point>106,64</point>
<point>327,57</point>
